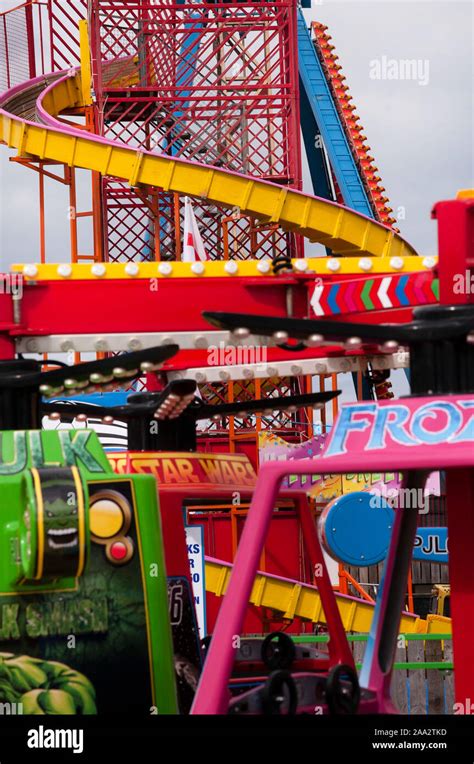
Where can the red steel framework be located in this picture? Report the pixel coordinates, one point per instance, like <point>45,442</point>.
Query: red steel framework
<point>36,38</point>
<point>238,59</point>
<point>213,82</point>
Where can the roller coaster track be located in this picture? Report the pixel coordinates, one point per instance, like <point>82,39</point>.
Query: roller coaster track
<point>28,122</point>
<point>351,124</point>
<point>293,599</point>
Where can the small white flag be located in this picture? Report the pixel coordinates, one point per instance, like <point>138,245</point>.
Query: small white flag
<point>193,245</point>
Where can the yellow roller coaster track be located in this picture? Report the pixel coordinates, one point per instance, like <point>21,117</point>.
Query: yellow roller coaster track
<point>344,231</point>
<point>296,600</point>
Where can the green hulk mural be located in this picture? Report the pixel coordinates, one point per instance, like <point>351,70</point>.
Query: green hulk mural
<point>84,622</point>
<point>44,687</point>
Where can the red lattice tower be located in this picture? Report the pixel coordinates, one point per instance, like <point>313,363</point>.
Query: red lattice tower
<point>213,82</point>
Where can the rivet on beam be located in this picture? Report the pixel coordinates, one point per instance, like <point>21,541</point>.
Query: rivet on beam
<point>64,270</point>
<point>300,265</point>
<point>333,265</point>
<point>99,270</point>
<point>264,266</point>
<point>30,270</point>
<point>166,269</point>
<point>231,267</point>
<point>365,264</point>
<point>396,263</point>
<point>132,269</point>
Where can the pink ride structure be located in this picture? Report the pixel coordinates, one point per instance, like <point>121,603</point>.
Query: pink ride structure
<point>433,429</point>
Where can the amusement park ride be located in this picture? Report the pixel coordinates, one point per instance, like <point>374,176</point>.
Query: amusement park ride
<point>158,101</point>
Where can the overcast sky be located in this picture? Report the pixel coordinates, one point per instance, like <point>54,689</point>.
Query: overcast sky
<point>420,131</point>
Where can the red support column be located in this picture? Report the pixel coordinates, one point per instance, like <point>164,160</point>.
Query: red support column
<point>460,501</point>
<point>456,278</point>
<point>456,249</point>
<point>31,40</point>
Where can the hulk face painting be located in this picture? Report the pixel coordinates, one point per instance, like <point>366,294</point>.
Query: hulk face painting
<point>54,533</point>
<point>60,520</point>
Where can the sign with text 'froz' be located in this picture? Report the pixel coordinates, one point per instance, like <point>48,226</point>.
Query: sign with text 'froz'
<point>413,423</point>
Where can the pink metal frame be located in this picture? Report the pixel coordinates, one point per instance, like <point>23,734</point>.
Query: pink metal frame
<point>212,695</point>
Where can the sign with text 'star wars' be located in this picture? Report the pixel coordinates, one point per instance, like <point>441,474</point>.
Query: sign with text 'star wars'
<point>177,470</point>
